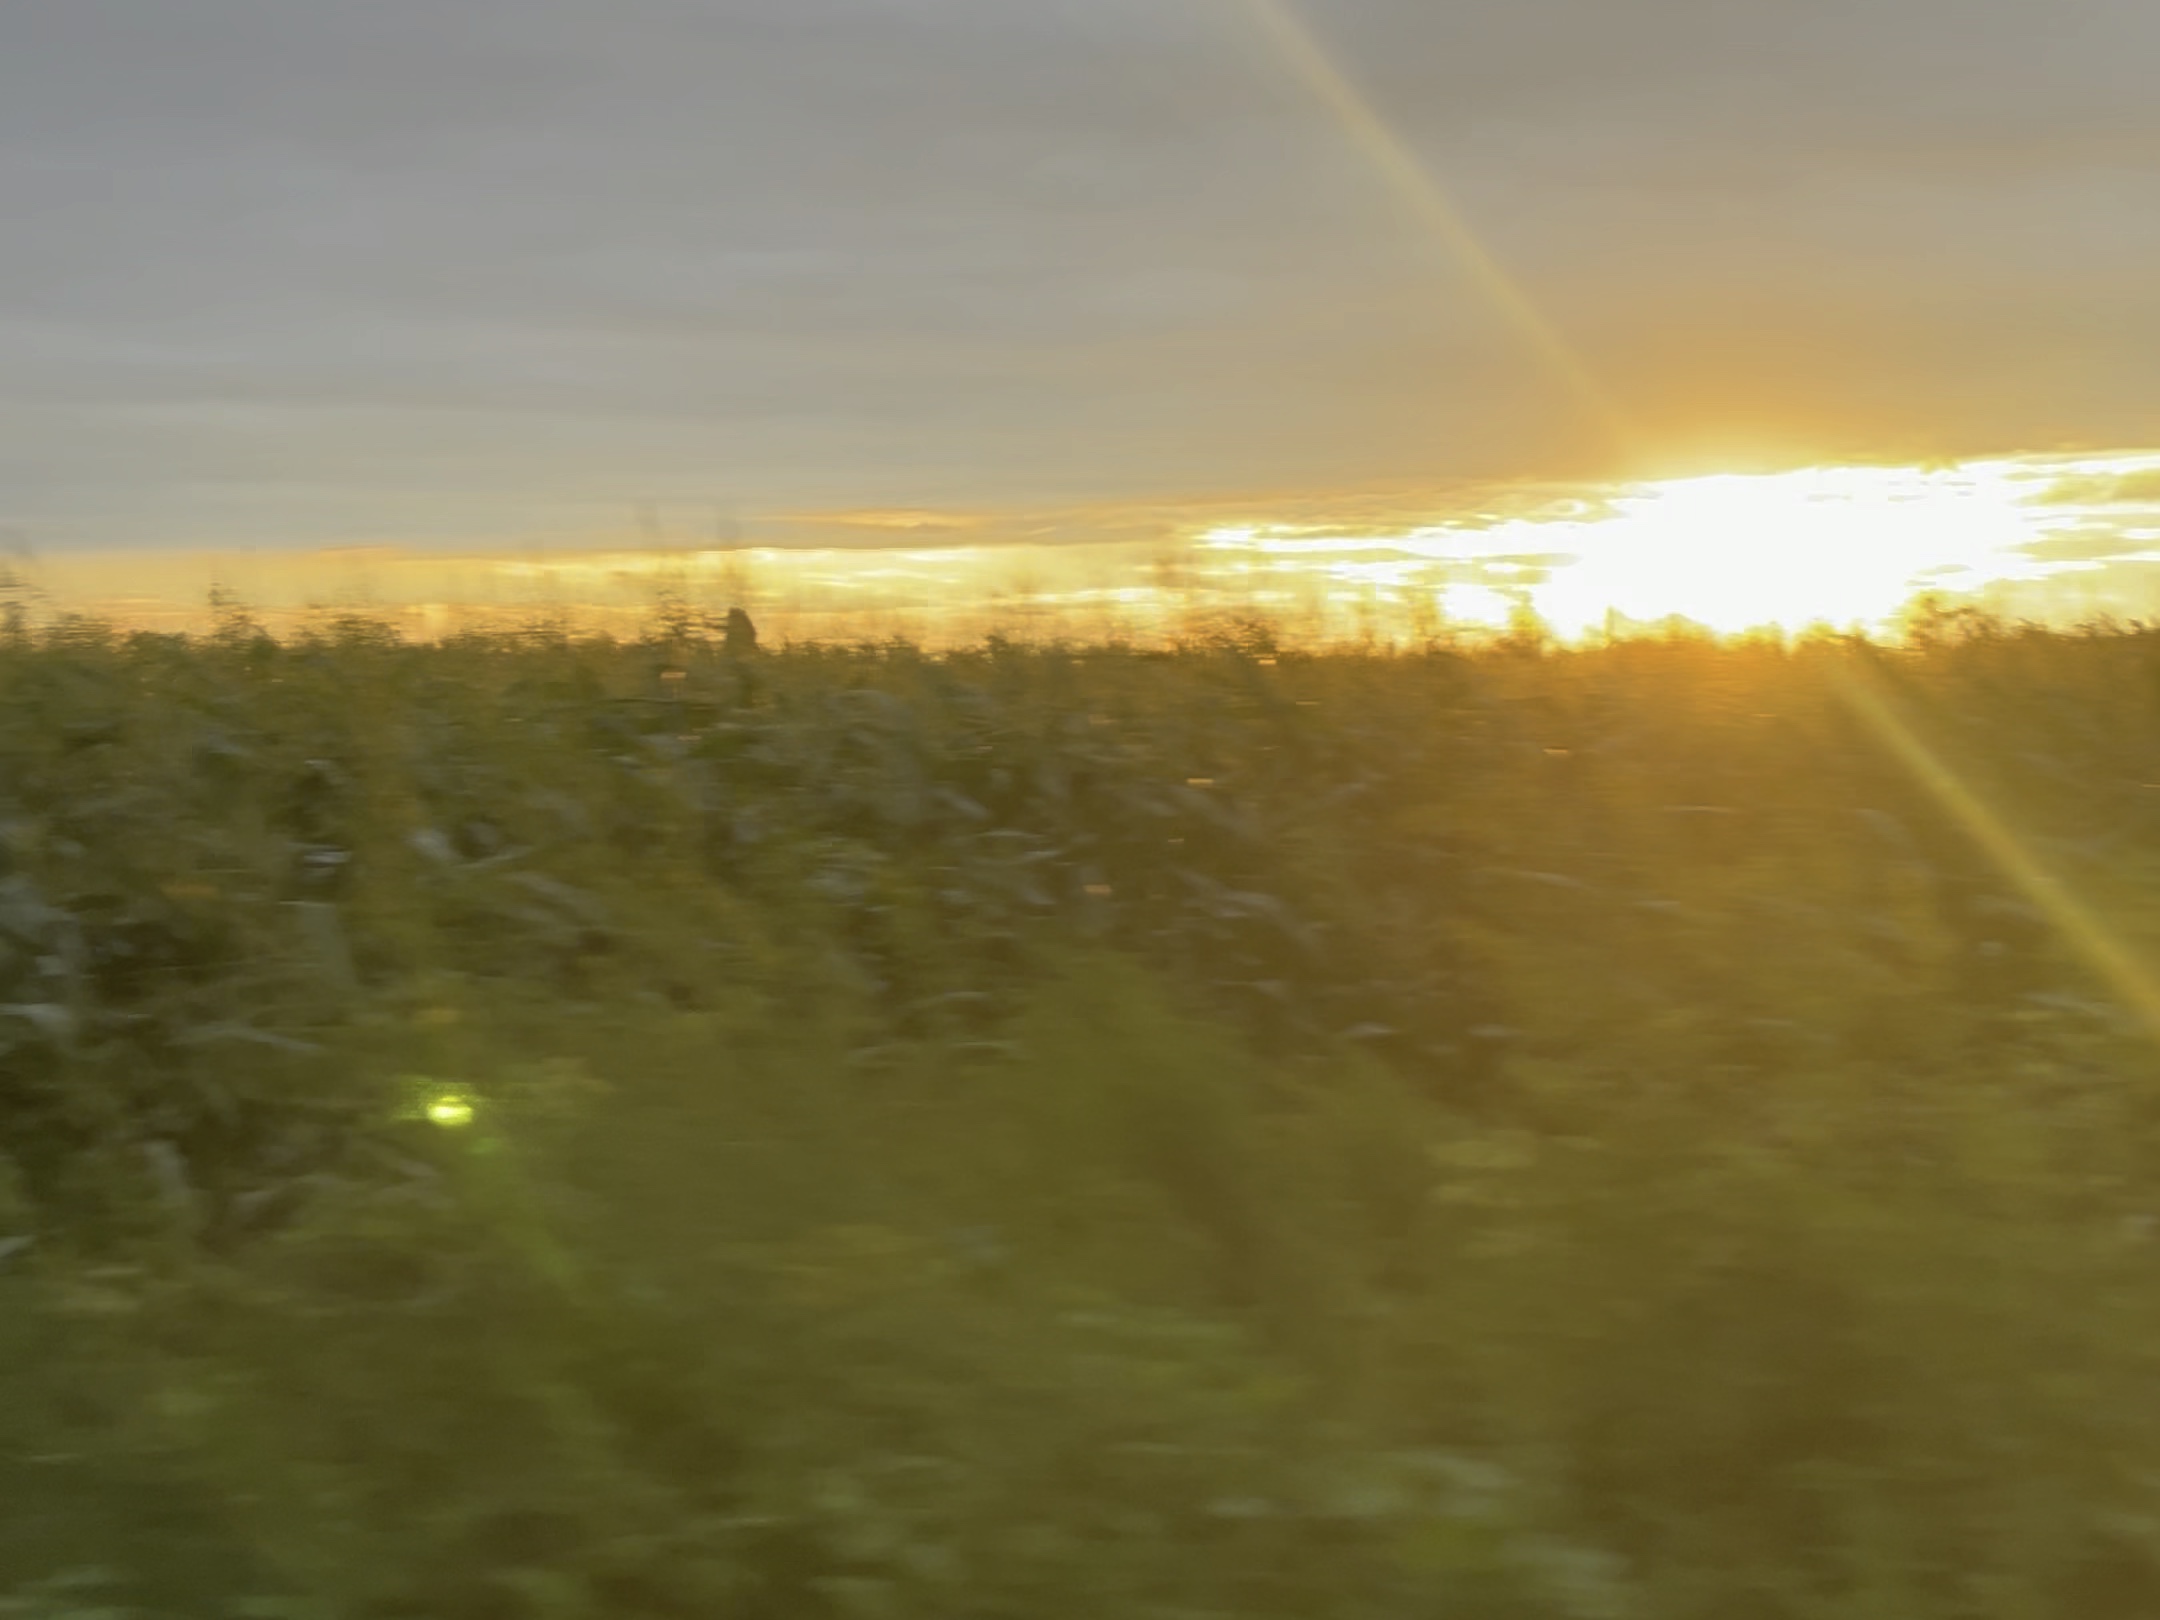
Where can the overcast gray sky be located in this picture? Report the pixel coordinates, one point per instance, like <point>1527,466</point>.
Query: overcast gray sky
<point>472,270</point>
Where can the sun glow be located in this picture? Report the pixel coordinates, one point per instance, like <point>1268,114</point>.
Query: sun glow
<point>1851,548</point>
<point>2057,539</point>
<point>1842,546</point>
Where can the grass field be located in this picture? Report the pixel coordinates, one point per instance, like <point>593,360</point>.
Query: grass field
<point>537,1127</point>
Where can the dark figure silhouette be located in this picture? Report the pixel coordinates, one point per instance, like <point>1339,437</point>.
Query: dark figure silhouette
<point>741,634</point>
<point>739,646</point>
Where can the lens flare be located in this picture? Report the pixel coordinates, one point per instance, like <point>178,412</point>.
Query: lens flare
<point>450,1112</point>
<point>2081,927</point>
<point>1429,204</point>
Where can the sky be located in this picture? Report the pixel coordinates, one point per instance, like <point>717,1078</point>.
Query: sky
<point>461,273</point>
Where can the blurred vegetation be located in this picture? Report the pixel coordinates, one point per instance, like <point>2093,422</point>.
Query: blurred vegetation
<point>535,1127</point>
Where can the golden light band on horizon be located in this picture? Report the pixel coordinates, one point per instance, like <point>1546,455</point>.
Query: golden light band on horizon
<point>1844,546</point>
<point>2055,538</point>
<point>1406,174</point>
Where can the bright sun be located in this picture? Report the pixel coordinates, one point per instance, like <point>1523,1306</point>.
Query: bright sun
<point>1829,545</point>
<point>2058,538</point>
<point>1848,547</point>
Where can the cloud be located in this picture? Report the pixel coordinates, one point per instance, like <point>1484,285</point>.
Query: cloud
<point>417,255</point>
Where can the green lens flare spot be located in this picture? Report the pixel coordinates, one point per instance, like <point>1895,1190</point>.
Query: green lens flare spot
<point>450,1110</point>
<point>436,1100</point>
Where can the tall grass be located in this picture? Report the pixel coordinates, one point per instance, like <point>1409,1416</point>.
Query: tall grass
<point>539,1127</point>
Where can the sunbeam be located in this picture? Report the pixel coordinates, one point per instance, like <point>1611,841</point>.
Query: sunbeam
<point>2086,933</point>
<point>1406,174</point>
